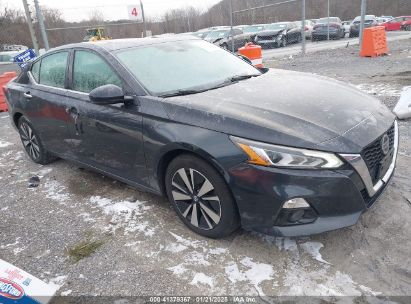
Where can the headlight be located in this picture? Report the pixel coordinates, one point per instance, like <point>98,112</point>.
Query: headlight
<point>286,157</point>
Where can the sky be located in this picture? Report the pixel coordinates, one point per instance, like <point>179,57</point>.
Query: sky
<point>76,10</point>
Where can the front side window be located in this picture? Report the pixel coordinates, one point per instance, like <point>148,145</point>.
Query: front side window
<point>91,71</point>
<point>53,70</point>
<point>35,71</point>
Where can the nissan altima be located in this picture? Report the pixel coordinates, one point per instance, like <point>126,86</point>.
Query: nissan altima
<point>228,144</point>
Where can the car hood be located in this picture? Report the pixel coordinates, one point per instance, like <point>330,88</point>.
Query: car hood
<point>287,108</point>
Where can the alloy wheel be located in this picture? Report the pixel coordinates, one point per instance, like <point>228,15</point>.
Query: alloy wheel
<point>30,141</point>
<point>196,198</point>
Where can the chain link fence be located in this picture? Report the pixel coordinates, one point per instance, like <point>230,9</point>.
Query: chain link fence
<point>298,23</point>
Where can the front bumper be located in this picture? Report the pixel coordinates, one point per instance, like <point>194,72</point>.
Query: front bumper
<point>337,198</point>
<point>269,43</point>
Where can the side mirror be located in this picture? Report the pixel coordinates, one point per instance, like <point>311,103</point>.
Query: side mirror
<point>107,94</point>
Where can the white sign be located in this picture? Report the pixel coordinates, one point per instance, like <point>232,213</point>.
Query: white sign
<point>17,286</point>
<point>135,12</point>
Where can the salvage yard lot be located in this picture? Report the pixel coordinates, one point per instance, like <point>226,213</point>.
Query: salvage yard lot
<point>95,236</point>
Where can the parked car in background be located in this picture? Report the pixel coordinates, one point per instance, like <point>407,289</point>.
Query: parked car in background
<point>395,24</point>
<point>278,35</point>
<point>253,30</point>
<point>369,21</point>
<point>225,38</point>
<point>331,24</point>
<point>406,25</point>
<point>8,56</point>
<point>309,25</point>
<point>381,20</point>
<point>202,33</point>
<point>347,25</point>
<point>275,151</point>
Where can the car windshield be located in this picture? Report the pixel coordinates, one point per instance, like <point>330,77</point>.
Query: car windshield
<point>276,26</point>
<point>253,29</point>
<point>325,20</point>
<point>217,34</point>
<point>169,67</point>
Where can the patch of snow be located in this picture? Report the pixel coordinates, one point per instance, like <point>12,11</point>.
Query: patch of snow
<point>186,242</point>
<point>16,251</point>
<point>4,144</point>
<point>58,281</point>
<point>234,274</point>
<point>175,247</point>
<point>218,251</point>
<point>257,273</point>
<point>66,293</point>
<point>313,249</point>
<point>47,252</point>
<point>178,270</point>
<point>55,191</point>
<point>201,278</point>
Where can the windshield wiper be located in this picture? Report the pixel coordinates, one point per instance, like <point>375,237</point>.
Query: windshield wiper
<point>228,81</point>
<point>241,77</point>
<point>181,93</point>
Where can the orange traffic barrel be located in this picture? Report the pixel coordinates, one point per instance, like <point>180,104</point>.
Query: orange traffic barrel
<point>374,42</point>
<point>254,53</point>
<point>4,80</point>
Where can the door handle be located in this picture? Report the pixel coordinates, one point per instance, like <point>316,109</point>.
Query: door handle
<point>75,115</point>
<point>27,95</point>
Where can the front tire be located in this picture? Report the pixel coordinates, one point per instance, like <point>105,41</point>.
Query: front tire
<point>32,143</point>
<point>200,197</point>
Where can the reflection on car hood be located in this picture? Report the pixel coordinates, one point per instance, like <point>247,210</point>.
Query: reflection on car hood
<point>288,108</point>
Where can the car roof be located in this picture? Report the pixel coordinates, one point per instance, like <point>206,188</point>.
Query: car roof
<point>118,44</point>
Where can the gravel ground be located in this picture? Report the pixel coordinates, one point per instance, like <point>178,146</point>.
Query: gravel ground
<point>92,235</point>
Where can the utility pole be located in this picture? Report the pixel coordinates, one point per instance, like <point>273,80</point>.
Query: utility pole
<point>144,19</point>
<point>303,28</point>
<point>328,20</point>
<point>363,10</point>
<point>31,28</point>
<point>231,25</point>
<point>40,19</point>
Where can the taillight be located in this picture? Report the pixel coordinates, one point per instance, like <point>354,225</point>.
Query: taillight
<point>306,28</point>
<point>4,90</point>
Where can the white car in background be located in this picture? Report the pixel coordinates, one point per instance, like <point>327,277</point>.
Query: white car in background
<point>8,57</point>
<point>308,27</point>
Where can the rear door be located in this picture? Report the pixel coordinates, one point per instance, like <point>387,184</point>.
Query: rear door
<point>108,137</point>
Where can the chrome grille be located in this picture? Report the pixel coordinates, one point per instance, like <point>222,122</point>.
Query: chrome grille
<point>373,154</point>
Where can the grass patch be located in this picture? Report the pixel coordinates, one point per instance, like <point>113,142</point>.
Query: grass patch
<point>84,249</point>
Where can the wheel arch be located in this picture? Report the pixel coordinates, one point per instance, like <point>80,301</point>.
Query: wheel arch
<point>16,118</point>
<point>168,157</point>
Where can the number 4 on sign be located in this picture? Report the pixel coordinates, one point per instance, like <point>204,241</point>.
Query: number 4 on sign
<point>134,12</point>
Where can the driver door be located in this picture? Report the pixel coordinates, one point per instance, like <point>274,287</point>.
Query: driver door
<point>107,137</point>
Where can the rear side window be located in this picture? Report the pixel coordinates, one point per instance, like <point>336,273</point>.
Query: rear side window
<point>91,71</point>
<point>35,71</point>
<point>53,70</point>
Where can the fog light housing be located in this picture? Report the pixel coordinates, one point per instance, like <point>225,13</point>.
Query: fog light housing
<point>296,211</point>
<point>296,203</point>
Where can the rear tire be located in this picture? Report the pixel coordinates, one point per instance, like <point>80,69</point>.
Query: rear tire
<point>201,197</point>
<point>32,143</point>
